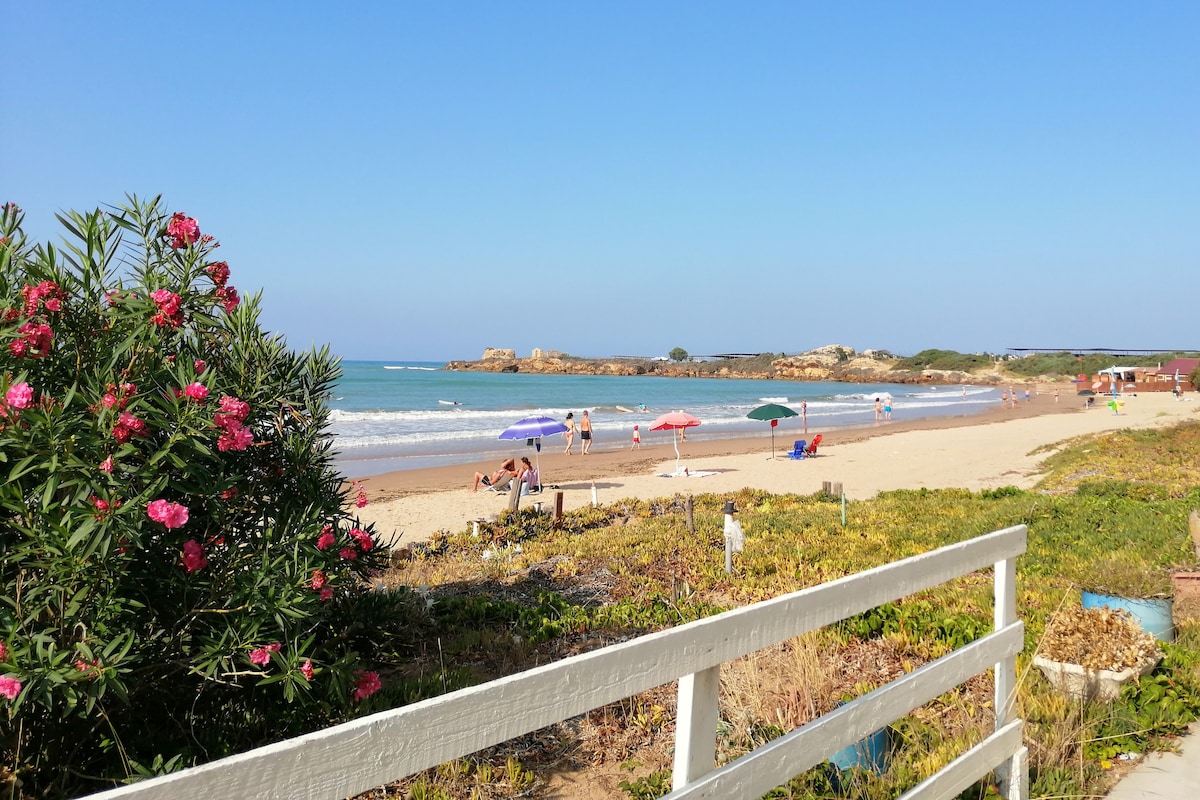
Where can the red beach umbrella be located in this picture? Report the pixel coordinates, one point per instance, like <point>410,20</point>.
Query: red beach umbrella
<point>674,421</point>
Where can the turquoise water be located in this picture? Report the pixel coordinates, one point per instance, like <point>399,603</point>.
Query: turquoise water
<point>390,415</point>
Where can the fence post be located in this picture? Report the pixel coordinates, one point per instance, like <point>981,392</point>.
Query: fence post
<point>1012,775</point>
<point>696,726</point>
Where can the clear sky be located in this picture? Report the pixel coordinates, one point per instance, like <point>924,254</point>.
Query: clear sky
<point>420,180</point>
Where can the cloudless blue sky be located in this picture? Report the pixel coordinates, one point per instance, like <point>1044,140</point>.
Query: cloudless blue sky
<point>423,180</point>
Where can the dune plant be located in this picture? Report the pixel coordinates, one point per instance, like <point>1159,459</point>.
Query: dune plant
<point>180,576</point>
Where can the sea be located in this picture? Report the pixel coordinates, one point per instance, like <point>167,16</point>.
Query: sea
<point>399,415</point>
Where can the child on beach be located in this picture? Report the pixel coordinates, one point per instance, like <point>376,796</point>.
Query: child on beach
<point>585,433</point>
<point>637,439</point>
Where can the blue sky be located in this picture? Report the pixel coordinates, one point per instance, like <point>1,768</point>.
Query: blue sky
<point>423,180</point>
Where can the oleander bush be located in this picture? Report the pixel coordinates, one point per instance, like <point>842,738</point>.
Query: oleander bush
<point>181,579</point>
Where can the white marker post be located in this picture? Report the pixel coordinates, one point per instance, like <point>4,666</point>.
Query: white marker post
<point>734,539</point>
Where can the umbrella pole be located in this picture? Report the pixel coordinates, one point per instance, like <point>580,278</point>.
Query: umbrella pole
<point>675,441</point>
<point>772,444</point>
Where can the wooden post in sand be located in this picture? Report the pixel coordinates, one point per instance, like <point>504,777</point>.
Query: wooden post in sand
<point>687,510</point>
<point>558,510</point>
<point>514,500</point>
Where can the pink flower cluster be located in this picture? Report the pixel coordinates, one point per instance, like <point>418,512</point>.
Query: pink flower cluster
<point>328,539</point>
<point>361,500</point>
<point>193,556</point>
<point>219,272</point>
<point>35,342</point>
<point>229,419</point>
<point>172,515</point>
<point>229,296</point>
<point>321,584</point>
<point>18,396</point>
<point>104,507</point>
<point>128,425</point>
<point>262,656</point>
<point>170,308</point>
<point>9,687</point>
<point>183,230</point>
<point>306,669</point>
<point>118,396</point>
<point>367,684</point>
<point>46,294</point>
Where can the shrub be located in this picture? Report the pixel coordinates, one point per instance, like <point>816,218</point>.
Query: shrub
<point>175,554</point>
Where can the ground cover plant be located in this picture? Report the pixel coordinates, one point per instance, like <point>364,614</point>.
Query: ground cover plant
<point>523,592</point>
<point>181,578</point>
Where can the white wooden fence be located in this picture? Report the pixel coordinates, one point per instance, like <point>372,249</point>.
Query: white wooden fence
<point>359,755</point>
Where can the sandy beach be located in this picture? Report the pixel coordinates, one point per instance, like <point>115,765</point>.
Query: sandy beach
<point>995,448</point>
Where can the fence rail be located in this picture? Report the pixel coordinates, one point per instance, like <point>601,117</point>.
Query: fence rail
<point>356,756</point>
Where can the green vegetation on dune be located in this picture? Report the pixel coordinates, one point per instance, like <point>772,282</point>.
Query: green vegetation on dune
<point>631,568</point>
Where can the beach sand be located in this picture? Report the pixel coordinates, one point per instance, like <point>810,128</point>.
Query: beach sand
<point>995,448</point>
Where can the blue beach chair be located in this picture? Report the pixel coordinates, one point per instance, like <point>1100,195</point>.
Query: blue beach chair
<point>797,451</point>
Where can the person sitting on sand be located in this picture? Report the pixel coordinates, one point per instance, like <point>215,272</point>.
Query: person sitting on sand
<point>508,467</point>
<point>525,475</point>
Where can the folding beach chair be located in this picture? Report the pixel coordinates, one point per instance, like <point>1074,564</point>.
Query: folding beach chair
<point>797,451</point>
<point>811,450</point>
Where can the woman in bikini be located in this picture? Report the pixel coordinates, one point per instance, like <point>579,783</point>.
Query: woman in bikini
<point>569,433</point>
<point>509,466</point>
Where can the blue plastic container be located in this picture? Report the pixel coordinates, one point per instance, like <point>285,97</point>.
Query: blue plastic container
<point>1153,615</point>
<point>870,753</point>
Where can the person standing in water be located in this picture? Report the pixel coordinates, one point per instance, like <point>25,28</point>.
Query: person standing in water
<point>585,432</point>
<point>569,433</point>
<point>637,439</point>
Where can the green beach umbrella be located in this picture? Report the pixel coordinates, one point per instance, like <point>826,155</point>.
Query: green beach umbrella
<point>772,412</point>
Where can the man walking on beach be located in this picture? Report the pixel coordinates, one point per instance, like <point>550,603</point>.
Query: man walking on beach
<point>585,432</point>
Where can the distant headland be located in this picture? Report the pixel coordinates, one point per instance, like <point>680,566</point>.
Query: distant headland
<point>829,363</point>
<point>835,362</point>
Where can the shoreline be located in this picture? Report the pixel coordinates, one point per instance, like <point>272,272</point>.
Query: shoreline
<point>984,450</point>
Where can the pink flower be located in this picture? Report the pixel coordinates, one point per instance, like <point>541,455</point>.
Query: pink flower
<point>367,685</point>
<point>107,465</point>
<point>219,272</point>
<point>193,556</point>
<point>108,401</point>
<point>326,540</point>
<point>173,515</point>
<point>262,656</point>
<point>326,594</point>
<point>363,538</point>
<point>182,230</point>
<point>19,395</point>
<point>229,296</point>
<point>9,687</point>
<point>36,340</point>
<point>306,669</point>
<point>170,311</point>
<point>238,409</point>
<point>196,391</point>
<point>200,366</point>
<point>348,553</point>
<point>235,438</point>
<point>318,579</point>
<point>3,650</point>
